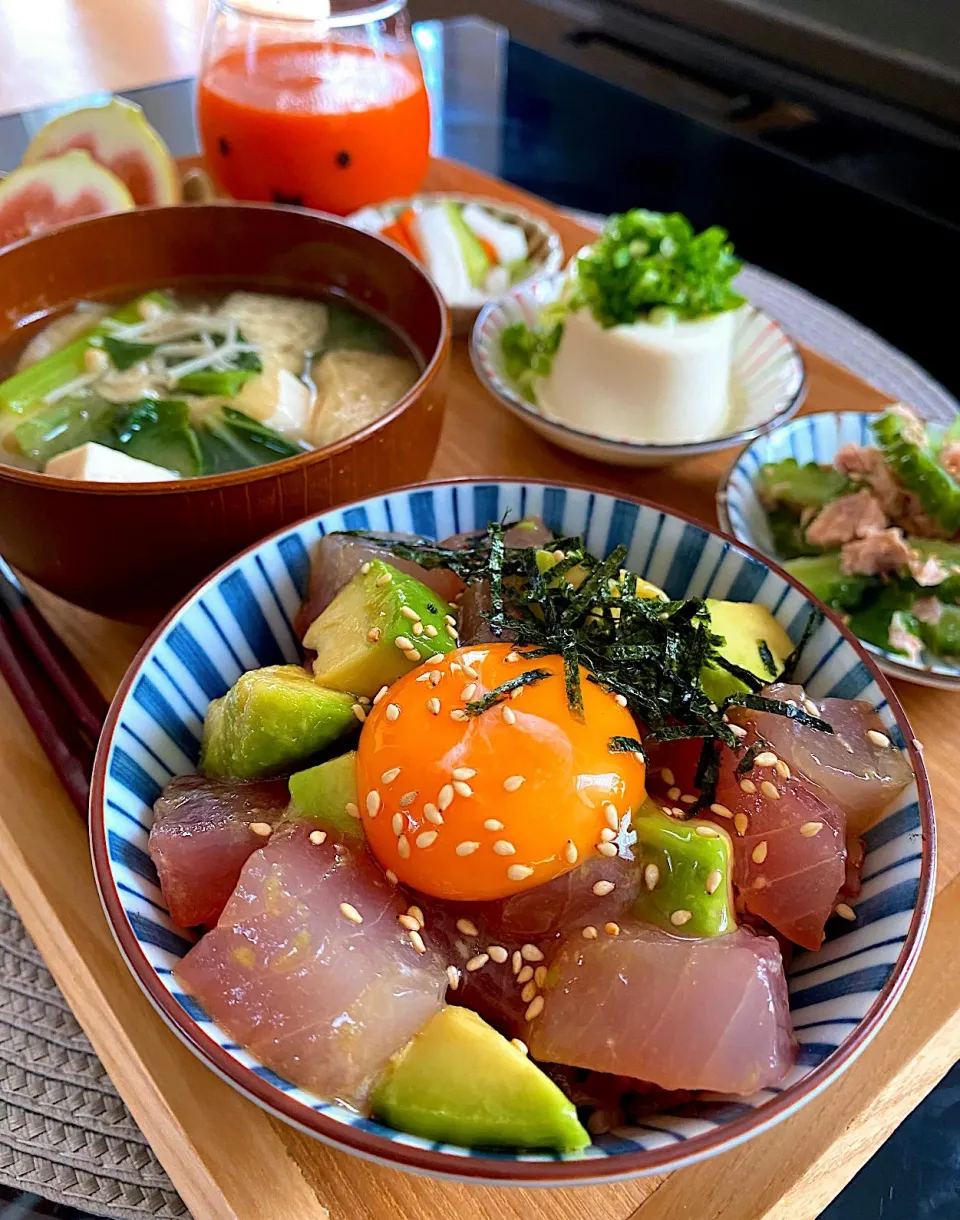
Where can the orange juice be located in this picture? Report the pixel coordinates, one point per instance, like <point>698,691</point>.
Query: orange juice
<point>332,126</point>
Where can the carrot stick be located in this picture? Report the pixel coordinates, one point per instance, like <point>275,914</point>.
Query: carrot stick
<point>396,232</point>
<point>489,249</point>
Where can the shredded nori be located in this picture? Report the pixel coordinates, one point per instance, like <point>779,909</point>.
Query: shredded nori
<point>478,706</point>
<point>750,754</point>
<point>766,656</point>
<point>627,745</point>
<point>810,628</point>
<point>780,708</point>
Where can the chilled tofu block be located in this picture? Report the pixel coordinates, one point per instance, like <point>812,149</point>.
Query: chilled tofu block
<point>98,464</point>
<point>309,969</point>
<point>707,1014</point>
<point>204,831</point>
<point>645,381</point>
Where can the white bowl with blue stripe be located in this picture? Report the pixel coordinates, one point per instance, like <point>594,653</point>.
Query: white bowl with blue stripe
<point>242,617</point>
<point>814,438</point>
<point>768,382</point>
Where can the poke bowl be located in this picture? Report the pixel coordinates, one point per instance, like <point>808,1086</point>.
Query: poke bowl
<point>251,614</point>
<point>176,382</point>
<point>882,554</point>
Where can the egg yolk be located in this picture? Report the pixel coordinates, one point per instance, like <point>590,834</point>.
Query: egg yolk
<point>478,807</point>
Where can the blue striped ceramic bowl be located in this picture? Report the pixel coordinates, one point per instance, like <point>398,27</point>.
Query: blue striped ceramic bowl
<point>767,379</point>
<point>814,438</point>
<point>242,617</point>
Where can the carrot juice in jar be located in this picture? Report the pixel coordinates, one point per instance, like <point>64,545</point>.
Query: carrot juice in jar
<point>327,110</point>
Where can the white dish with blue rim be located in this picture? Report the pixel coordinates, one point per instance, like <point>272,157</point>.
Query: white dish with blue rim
<point>767,382</point>
<point>242,618</point>
<point>814,438</point>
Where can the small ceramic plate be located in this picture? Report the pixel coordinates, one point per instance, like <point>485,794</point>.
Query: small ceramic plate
<point>815,438</point>
<point>545,247</point>
<point>767,370</point>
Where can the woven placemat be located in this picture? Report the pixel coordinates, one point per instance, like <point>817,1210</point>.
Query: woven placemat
<point>64,1132</point>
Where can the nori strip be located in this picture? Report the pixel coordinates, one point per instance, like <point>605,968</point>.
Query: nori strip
<point>766,656</point>
<point>478,706</point>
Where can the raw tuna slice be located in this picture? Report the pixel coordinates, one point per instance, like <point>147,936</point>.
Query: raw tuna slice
<point>475,603</point>
<point>337,558</point>
<point>789,851</point>
<point>532,922</point>
<point>201,839</point>
<point>683,1014</point>
<point>291,974</point>
<point>862,775</point>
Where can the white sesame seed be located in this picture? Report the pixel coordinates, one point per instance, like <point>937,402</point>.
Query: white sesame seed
<point>607,835</point>
<point>520,1045</point>
<point>602,888</point>
<point>525,975</point>
<point>393,711</point>
<point>738,730</point>
<point>766,758</point>
<point>607,849</point>
<point>667,776</point>
<point>492,824</point>
<point>426,838</point>
<point>263,829</point>
<point>540,976</point>
<point>463,773</point>
<point>453,977</point>
<point>417,941</point>
<point>720,810</point>
<point>809,829</point>
<point>432,814</point>
<point>559,556</point>
<point>462,789</point>
<point>620,700</point>
<point>707,832</point>
<point>759,853</point>
<point>468,692</point>
<point>570,852</point>
<point>379,695</point>
<point>456,667</point>
<point>516,961</point>
<point>845,911</point>
<point>651,875</point>
<point>677,813</point>
<point>358,711</point>
<point>530,953</point>
<point>469,671</point>
<point>878,739</point>
<point>476,963</point>
<point>416,913</point>
<point>445,798</point>
<point>410,613</point>
<point>403,643</point>
<point>748,786</point>
<point>349,911</point>
<point>679,918</point>
<point>417,629</point>
<point>435,660</point>
<point>528,992</point>
<point>612,929</point>
<point>516,692</point>
<point>810,707</point>
<point>459,714</point>
<point>497,954</point>
<point>613,818</point>
<point>467,927</point>
<point>714,880</point>
<point>407,799</point>
<point>504,848</point>
<point>451,631</point>
<point>391,876</point>
<point>389,776</point>
<point>317,837</point>
<point>589,932</point>
<point>513,782</point>
<point>688,798</point>
<point>431,631</point>
<point>448,618</point>
<point>373,802</point>
<point>433,705</point>
<point>782,769</point>
<point>740,823</point>
<point>384,579</point>
<point>351,810</point>
<point>396,823</point>
<point>426,677</point>
<point>509,715</point>
<point>467,847</point>
<point>373,635</point>
<point>673,794</point>
<point>535,1009</point>
<point>770,790</point>
<point>408,922</point>
<point>403,847</point>
<point>519,872</point>
<point>512,656</point>
<point>435,677</point>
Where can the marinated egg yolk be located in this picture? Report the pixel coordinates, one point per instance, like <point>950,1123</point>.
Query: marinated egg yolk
<point>477,807</point>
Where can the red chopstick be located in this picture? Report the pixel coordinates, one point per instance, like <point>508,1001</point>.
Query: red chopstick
<point>56,695</point>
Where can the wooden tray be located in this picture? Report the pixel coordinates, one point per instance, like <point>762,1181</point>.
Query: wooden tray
<point>229,1159</point>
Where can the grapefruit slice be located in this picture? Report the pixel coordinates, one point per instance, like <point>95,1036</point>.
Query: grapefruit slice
<point>119,137</point>
<point>36,198</point>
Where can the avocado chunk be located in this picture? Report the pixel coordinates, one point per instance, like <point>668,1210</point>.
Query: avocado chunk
<point>270,721</point>
<point>753,639</point>
<point>355,638</point>
<point>692,873</point>
<point>461,1082</point>
<point>325,794</point>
